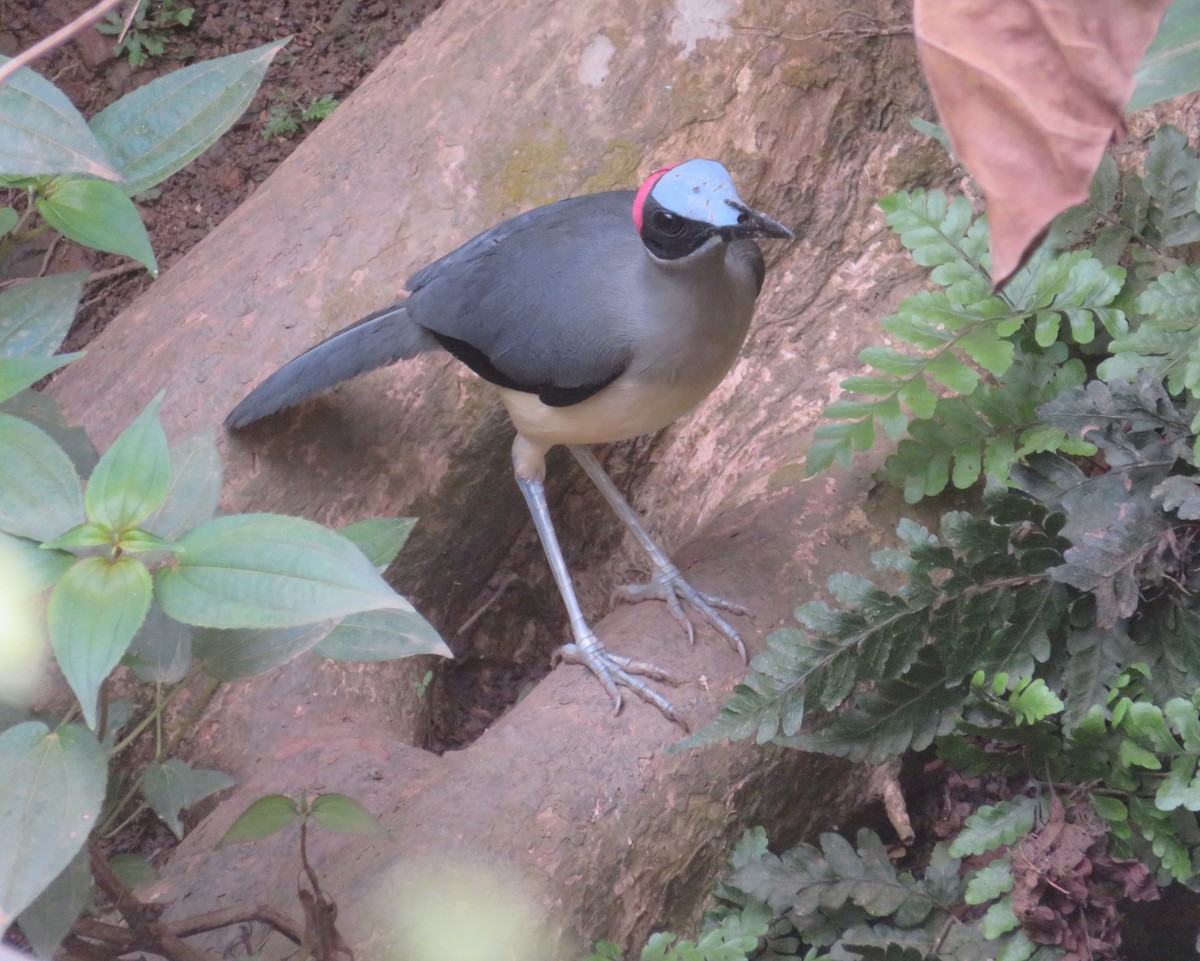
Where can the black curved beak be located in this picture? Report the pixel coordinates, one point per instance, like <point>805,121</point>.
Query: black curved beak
<point>754,223</point>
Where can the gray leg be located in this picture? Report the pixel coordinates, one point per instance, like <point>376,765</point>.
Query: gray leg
<point>667,583</point>
<point>613,671</point>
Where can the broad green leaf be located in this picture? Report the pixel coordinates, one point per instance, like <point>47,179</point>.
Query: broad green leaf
<point>133,870</point>
<point>266,570</point>
<point>133,476</point>
<point>88,534</point>
<point>9,218</point>
<point>343,815</point>
<point>1171,66</point>
<point>97,214</point>
<point>35,316</point>
<point>382,636</point>
<point>194,490</point>
<point>261,819</point>
<point>40,568</point>
<point>39,489</point>
<point>161,650</point>
<point>232,653</point>
<point>380,538</point>
<point>54,785</point>
<point>173,785</point>
<point>48,920</point>
<point>41,132</point>
<point>94,611</point>
<point>44,413</point>
<point>163,126</point>
<point>17,373</point>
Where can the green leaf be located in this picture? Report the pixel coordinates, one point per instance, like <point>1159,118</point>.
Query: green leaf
<point>94,611</point>
<point>1181,787</point>
<point>99,215</point>
<point>9,218</point>
<point>35,316</point>
<point>1145,721</point>
<point>995,825</point>
<point>380,538</point>
<point>18,373</point>
<point>1185,720</point>
<point>39,568</point>
<point>1134,755</point>
<point>44,413</point>
<point>54,788</point>
<point>229,654</point>
<point>1172,172</point>
<point>343,815</point>
<point>49,918</point>
<point>41,132</point>
<point>999,919</point>
<point>133,476</point>
<point>133,870</point>
<point>163,126</point>
<point>172,786</point>
<point>1033,701</point>
<point>140,542</point>
<point>382,636</point>
<point>194,490</point>
<point>1172,64</point>
<point>161,650</point>
<point>1110,808</point>
<point>261,819</point>
<point>989,882</point>
<point>266,570</point>
<point>39,490</point>
<point>82,535</point>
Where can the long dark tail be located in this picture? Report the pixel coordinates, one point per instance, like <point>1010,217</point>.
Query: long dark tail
<point>377,340</point>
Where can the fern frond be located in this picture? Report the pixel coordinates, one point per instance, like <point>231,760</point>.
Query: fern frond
<point>957,341</point>
<point>907,713</point>
<point>1172,172</point>
<point>994,826</point>
<point>977,597</point>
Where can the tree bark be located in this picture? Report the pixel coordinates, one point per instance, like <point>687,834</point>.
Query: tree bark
<point>487,110</point>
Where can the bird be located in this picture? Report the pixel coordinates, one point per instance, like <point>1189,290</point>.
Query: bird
<point>597,318</point>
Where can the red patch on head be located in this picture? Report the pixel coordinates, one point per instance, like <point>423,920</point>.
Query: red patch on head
<point>644,191</point>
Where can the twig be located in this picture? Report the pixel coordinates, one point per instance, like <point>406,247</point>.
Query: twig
<point>151,933</point>
<point>266,914</point>
<point>509,580</point>
<point>58,38</point>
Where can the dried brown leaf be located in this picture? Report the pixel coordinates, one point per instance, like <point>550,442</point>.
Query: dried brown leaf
<point>1030,93</point>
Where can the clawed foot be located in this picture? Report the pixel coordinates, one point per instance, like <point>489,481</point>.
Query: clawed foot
<point>669,585</point>
<point>615,672</point>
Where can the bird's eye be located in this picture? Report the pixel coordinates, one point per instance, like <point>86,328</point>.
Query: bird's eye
<point>668,223</point>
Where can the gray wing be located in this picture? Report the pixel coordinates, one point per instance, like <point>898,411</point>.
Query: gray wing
<point>377,340</point>
<point>529,304</point>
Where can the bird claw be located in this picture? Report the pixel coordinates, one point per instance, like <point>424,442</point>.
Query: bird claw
<point>671,587</point>
<point>615,671</point>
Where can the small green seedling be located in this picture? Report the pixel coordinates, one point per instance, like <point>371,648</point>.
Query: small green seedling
<point>147,36</point>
